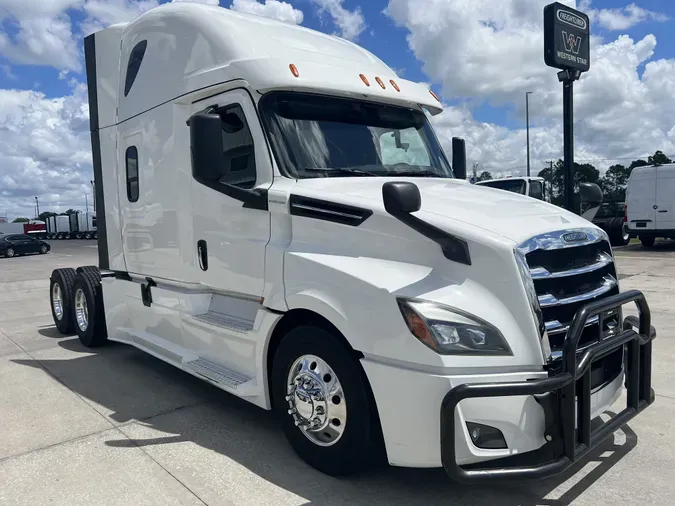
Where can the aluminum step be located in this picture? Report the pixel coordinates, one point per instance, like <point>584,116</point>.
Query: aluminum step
<point>225,321</point>
<point>216,373</point>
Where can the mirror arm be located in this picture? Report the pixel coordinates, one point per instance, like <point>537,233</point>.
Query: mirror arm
<point>453,247</point>
<point>252,199</point>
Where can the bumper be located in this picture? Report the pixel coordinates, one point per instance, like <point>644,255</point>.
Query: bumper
<point>565,399</point>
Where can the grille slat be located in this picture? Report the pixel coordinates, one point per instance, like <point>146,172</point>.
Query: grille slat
<point>569,275</point>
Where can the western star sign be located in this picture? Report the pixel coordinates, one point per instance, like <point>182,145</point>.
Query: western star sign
<point>566,38</point>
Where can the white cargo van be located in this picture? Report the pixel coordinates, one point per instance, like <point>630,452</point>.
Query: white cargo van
<point>277,217</point>
<point>650,203</point>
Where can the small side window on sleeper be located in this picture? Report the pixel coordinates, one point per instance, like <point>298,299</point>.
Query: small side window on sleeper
<point>132,173</point>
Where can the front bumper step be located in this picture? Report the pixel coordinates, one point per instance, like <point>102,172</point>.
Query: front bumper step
<point>559,395</point>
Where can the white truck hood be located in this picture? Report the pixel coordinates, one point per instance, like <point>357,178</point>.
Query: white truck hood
<point>513,216</point>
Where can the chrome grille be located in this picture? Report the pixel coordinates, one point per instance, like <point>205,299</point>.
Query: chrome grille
<point>567,274</point>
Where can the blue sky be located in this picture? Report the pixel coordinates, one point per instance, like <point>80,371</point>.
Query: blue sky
<point>480,56</point>
<point>382,37</point>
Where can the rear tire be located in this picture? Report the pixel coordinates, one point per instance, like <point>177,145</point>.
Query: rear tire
<point>87,307</point>
<point>350,434</point>
<point>647,241</point>
<point>60,298</point>
<point>87,235</point>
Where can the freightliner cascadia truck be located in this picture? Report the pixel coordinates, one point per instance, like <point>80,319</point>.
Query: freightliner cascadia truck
<point>276,216</point>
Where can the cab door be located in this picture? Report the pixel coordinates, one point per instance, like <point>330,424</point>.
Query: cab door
<point>229,237</point>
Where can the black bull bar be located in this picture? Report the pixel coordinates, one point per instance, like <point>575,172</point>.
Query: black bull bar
<point>559,394</point>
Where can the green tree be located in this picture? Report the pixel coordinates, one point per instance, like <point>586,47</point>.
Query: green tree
<point>637,163</point>
<point>614,182</point>
<point>484,176</point>
<point>46,214</point>
<point>658,158</point>
<point>21,220</point>
<point>583,173</point>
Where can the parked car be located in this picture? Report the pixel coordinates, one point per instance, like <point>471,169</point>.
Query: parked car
<point>12,245</point>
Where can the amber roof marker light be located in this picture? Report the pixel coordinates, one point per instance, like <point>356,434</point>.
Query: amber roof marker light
<point>434,95</point>
<point>364,79</point>
<point>379,81</point>
<point>294,70</point>
<point>393,83</point>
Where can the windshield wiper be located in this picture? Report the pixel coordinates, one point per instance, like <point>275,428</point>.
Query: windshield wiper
<point>340,170</point>
<point>415,173</point>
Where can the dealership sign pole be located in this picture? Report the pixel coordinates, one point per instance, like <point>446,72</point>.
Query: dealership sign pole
<point>567,47</point>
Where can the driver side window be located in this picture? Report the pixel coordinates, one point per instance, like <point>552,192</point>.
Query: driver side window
<point>403,146</point>
<point>239,168</point>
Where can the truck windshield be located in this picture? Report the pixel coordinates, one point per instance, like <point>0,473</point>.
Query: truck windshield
<point>320,136</point>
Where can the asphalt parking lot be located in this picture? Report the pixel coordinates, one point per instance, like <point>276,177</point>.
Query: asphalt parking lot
<point>117,426</point>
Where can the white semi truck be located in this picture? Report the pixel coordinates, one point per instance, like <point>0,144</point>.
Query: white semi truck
<point>312,251</point>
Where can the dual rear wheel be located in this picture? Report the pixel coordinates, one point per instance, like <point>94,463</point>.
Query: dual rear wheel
<point>77,304</point>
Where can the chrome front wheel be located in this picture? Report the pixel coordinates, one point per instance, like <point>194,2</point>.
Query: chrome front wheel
<point>316,400</point>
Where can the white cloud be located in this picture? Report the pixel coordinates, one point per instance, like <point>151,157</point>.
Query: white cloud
<point>350,23</point>
<point>44,150</point>
<point>478,53</point>
<point>283,11</point>
<point>622,18</point>
<point>42,33</point>
<point>210,2</point>
<point>102,13</point>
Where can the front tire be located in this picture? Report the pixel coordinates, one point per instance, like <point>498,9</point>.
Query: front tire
<point>10,253</point>
<point>322,398</point>
<point>87,308</point>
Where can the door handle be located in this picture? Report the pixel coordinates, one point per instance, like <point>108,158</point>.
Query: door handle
<point>202,252</point>
<point>664,211</point>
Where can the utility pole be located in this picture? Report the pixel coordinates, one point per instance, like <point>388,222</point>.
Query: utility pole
<point>527,121</point>
<point>37,208</point>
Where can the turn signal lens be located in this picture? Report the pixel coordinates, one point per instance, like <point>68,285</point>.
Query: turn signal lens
<point>417,326</point>
<point>294,70</point>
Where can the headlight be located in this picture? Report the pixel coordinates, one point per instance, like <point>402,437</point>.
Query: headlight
<point>449,331</point>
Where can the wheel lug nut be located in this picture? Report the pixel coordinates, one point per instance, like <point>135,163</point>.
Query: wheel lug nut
<point>292,411</point>
<point>319,410</point>
<point>289,397</point>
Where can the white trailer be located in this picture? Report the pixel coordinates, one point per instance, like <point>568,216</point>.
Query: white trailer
<point>278,218</point>
<point>62,227</point>
<point>86,226</point>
